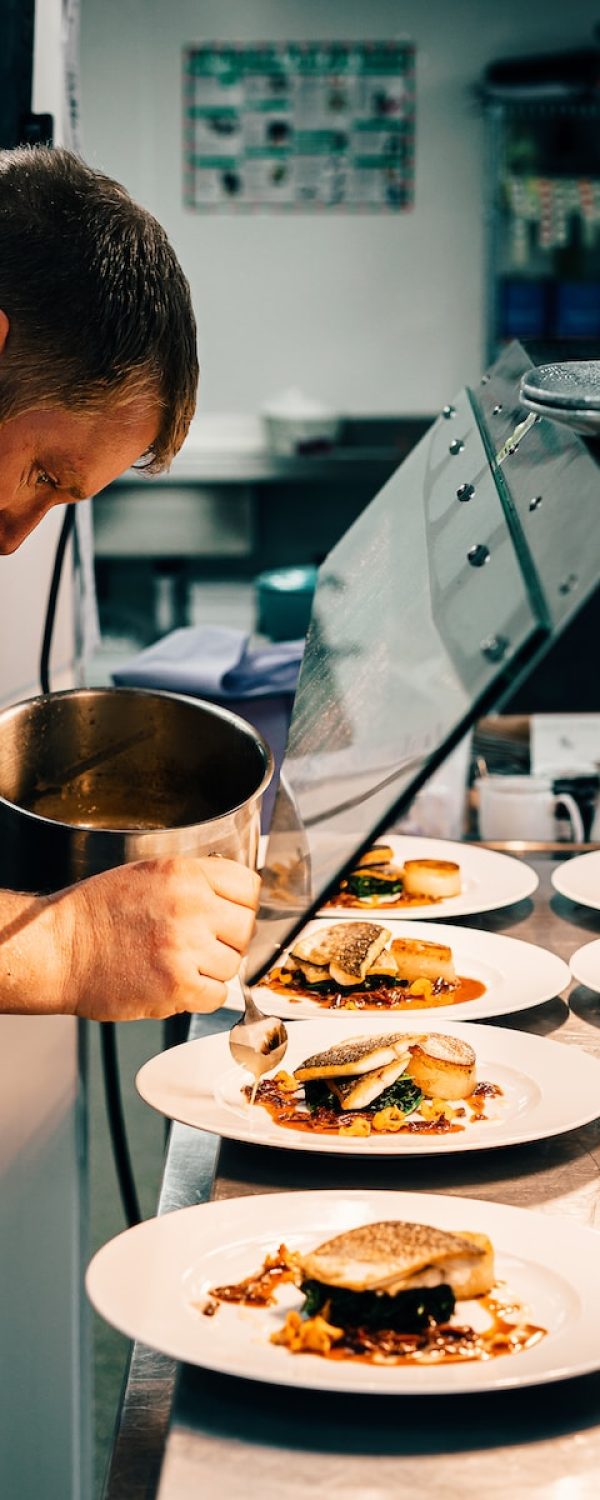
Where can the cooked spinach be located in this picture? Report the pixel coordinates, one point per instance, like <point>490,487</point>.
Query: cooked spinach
<point>361,885</point>
<point>382,982</point>
<point>319,1096</point>
<point>331,987</point>
<point>407,1312</point>
<point>322,987</point>
<point>404,1094</point>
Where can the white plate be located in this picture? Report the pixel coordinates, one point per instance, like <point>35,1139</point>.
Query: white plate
<point>489,880</point>
<point>585,965</point>
<point>579,879</point>
<point>545,1090</point>
<point>517,975</point>
<point>146,1281</point>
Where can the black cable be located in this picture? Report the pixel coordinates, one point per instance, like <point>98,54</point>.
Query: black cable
<point>116,1122</point>
<point>61,547</point>
<point>108,1036</point>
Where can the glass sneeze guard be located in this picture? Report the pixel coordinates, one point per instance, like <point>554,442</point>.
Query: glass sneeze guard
<point>444,592</point>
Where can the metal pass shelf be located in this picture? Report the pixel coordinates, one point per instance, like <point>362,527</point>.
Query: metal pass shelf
<point>183,1431</point>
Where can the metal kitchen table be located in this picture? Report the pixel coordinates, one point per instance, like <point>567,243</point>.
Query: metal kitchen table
<point>184,1432</point>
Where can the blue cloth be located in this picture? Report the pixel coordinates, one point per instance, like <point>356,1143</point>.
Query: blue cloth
<point>211,661</point>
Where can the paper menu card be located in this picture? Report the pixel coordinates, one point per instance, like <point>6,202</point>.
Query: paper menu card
<point>569,742</point>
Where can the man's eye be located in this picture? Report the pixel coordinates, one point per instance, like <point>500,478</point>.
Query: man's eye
<point>44,478</point>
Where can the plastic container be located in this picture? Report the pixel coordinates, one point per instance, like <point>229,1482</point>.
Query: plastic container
<point>295,423</point>
<point>284,600</point>
<point>524,308</point>
<point>577,312</point>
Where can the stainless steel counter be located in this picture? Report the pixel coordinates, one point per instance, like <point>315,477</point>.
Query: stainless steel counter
<point>184,1432</point>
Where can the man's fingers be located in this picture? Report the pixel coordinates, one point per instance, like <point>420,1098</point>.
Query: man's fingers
<point>232,881</point>
<point>204,994</point>
<point>209,956</point>
<point>233,925</point>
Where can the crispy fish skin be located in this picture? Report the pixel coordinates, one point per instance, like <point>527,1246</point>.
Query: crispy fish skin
<point>377,855</point>
<point>358,1092</point>
<point>317,947</point>
<point>360,947</point>
<point>364,943</point>
<point>356,1055</point>
<point>391,1256</point>
<point>353,944</point>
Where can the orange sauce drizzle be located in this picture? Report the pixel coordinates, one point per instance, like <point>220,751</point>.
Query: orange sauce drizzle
<point>442,1343</point>
<point>387,997</point>
<point>257,1290</point>
<point>508,1331</point>
<point>380,901</point>
<point>287,1109</point>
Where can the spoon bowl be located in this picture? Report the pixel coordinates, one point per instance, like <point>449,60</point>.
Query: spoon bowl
<point>257,1042</point>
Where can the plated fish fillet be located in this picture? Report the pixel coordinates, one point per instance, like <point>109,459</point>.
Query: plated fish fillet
<point>350,946</point>
<point>385,967</point>
<point>312,973</point>
<point>355,1055</point>
<point>358,1092</point>
<point>377,855</point>
<point>393,1256</point>
<point>442,1067</point>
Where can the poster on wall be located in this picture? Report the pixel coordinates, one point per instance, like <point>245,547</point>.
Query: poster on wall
<point>299,126</point>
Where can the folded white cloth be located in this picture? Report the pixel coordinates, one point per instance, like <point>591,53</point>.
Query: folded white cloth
<point>211,661</point>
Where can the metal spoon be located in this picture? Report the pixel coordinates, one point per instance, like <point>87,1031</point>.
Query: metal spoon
<point>257,1042</point>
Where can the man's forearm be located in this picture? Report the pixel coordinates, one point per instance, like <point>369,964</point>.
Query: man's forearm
<point>34,955</point>
<point>149,939</point>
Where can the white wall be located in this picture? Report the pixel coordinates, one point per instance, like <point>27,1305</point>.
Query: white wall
<point>45,1402</point>
<point>373,313</point>
<point>25,577</point>
<point>24,586</point>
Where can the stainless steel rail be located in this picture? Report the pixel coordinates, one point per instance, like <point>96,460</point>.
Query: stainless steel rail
<point>184,1432</point>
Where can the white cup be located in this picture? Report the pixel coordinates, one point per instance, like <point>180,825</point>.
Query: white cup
<point>439,809</point>
<point>523,807</point>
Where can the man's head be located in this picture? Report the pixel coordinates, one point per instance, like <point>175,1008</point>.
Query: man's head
<point>98,362</point>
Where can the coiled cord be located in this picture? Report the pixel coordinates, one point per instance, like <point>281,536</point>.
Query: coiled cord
<point>108,1035</point>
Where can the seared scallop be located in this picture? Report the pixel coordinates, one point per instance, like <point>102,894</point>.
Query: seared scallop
<point>434,878</point>
<point>443,1067</point>
<point>416,959</point>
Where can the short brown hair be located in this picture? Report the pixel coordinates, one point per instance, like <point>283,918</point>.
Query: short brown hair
<point>98,304</point>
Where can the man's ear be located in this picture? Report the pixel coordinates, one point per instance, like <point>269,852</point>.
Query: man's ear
<point>4,328</point>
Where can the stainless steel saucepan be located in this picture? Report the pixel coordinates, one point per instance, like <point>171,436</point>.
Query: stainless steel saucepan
<point>97,777</point>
